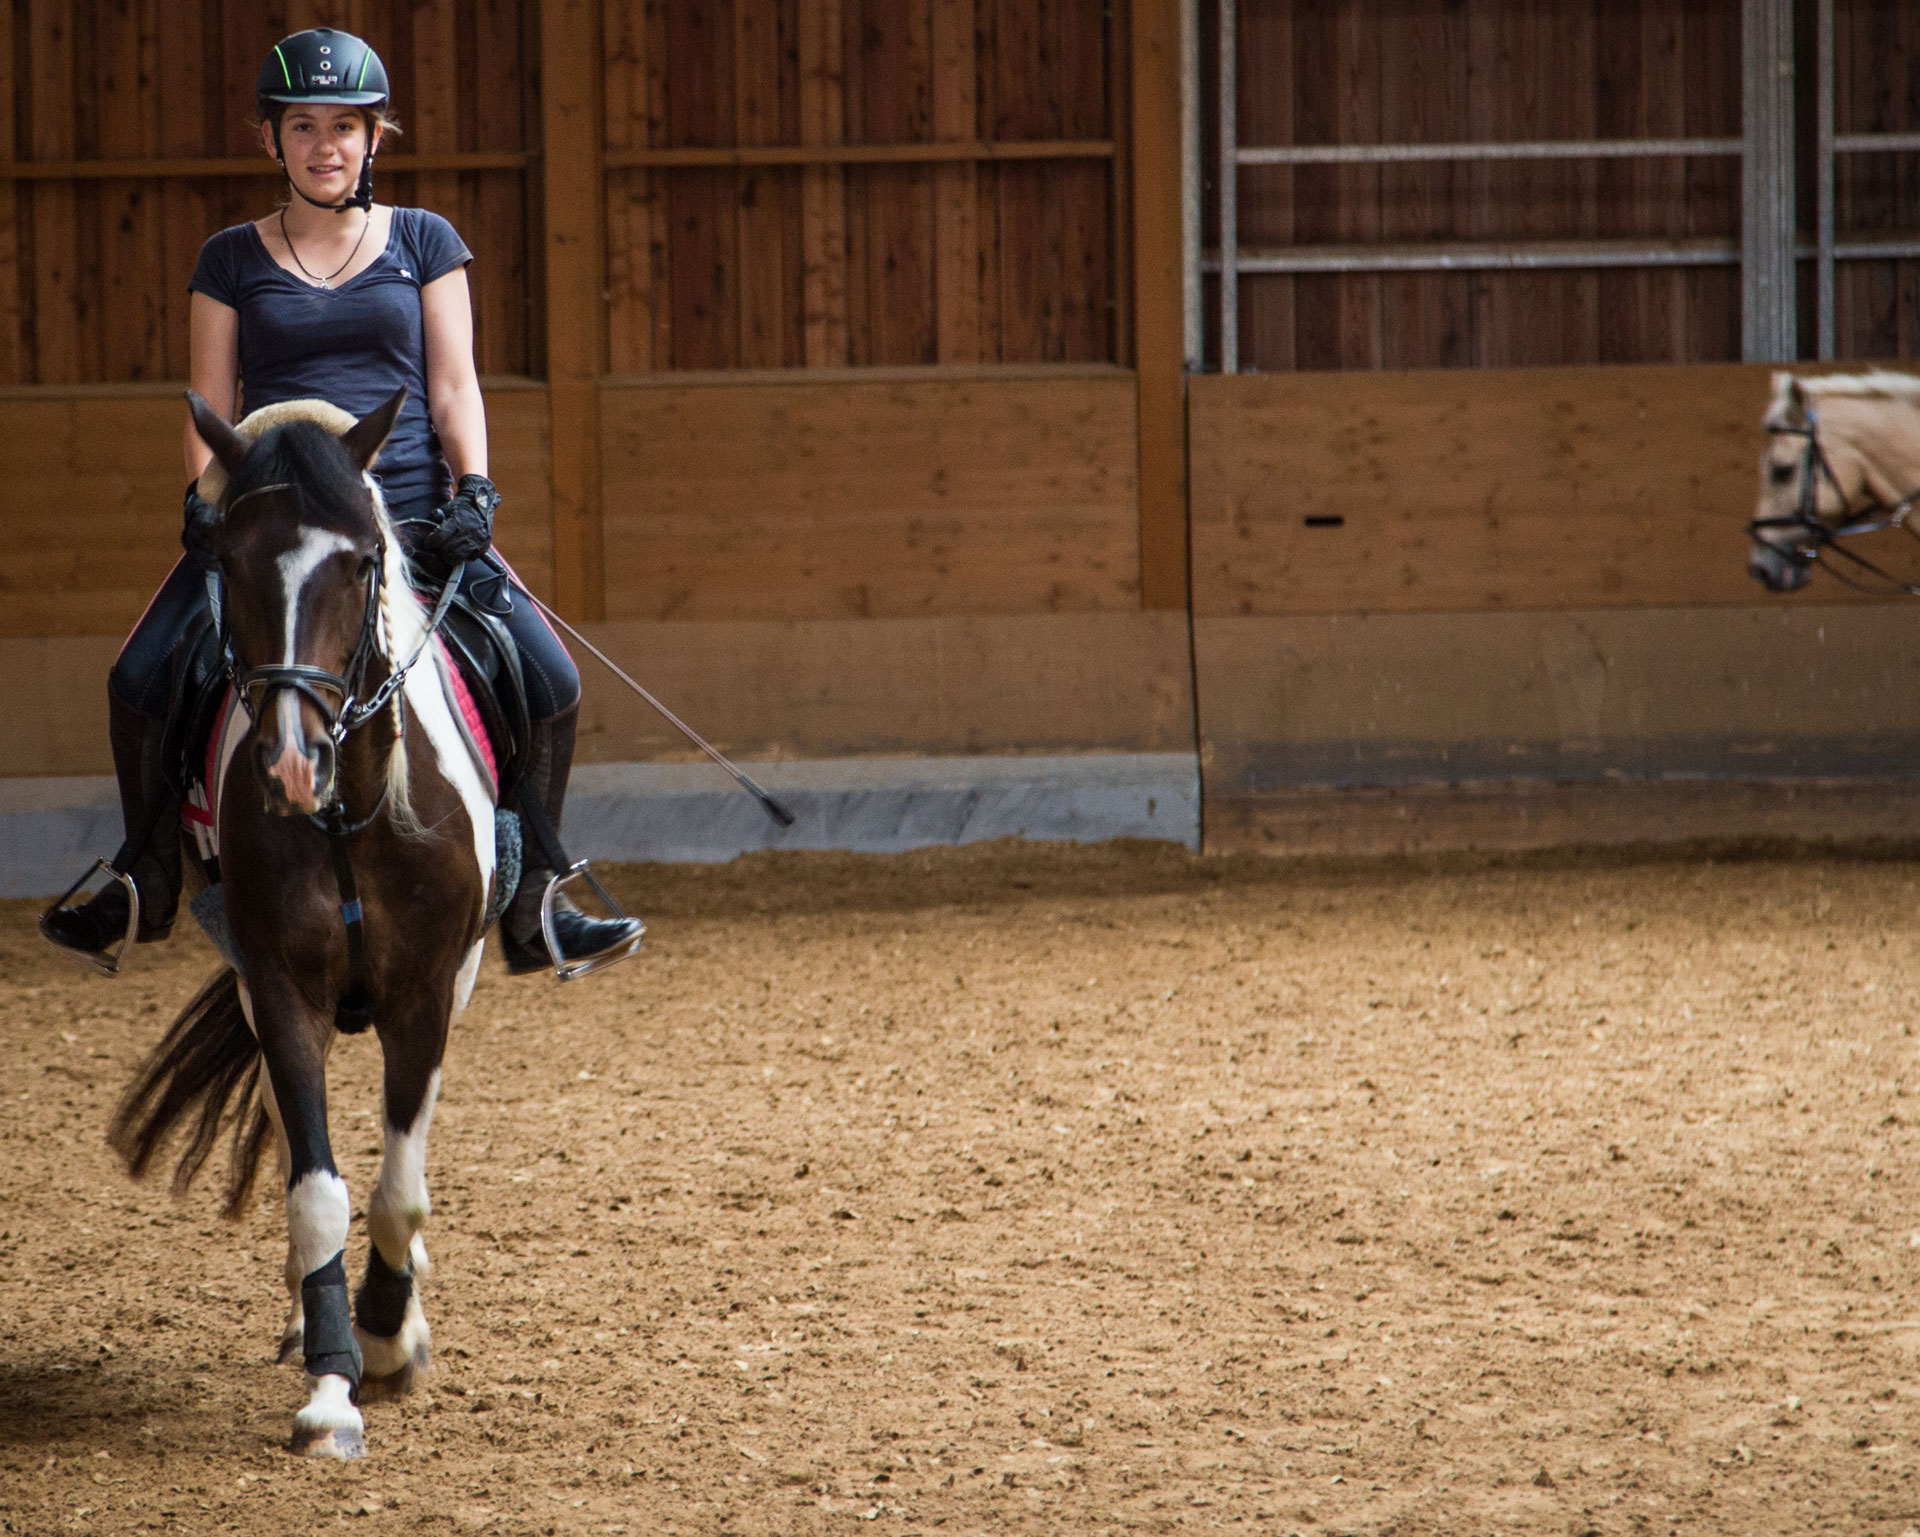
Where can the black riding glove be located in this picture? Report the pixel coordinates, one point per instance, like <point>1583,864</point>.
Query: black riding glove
<point>461,530</point>
<point>198,527</point>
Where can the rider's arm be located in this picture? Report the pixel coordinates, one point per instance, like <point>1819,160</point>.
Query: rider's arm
<point>213,335</point>
<point>453,387</point>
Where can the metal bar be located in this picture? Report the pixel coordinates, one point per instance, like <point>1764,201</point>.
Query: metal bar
<point>1875,143</point>
<point>1876,250</point>
<point>1431,257</point>
<point>1551,149</point>
<point>943,153</point>
<point>1823,180</point>
<point>1227,176</point>
<point>115,170</point>
<point>1191,176</point>
<point>1769,332</point>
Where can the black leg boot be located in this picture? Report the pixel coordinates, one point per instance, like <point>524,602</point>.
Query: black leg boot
<point>549,762</point>
<point>97,925</point>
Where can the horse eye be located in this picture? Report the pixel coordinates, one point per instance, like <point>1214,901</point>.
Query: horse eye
<point>1780,474</point>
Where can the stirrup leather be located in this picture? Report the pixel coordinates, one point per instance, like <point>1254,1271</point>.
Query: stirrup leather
<point>565,970</point>
<point>108,962</point>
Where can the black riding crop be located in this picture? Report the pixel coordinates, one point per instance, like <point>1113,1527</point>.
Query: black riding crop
<point>772,807</point>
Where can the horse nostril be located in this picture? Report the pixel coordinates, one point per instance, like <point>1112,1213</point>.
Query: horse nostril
<point>321,756</point>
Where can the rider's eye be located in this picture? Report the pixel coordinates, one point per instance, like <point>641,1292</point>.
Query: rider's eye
<point>1780,474</point>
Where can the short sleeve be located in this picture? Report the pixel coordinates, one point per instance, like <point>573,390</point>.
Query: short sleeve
<point>437,246</point>
<point>217,273</point>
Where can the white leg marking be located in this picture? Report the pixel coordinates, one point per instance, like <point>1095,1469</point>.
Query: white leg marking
<point>329,1425</point>
<point>469,974</point>
<point>399,1206</point>
<point>318,1215</point>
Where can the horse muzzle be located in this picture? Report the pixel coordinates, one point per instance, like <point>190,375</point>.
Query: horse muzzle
<point>295,777</point>
<point>1778,570</point>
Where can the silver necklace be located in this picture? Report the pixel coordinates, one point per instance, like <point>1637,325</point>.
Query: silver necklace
<point>327,281</point>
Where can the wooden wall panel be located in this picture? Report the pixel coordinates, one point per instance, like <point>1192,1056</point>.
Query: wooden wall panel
<point>1492,489</point>
<point>1877,49</point>
<point>831,265</point>
<point>90,517</point>
<point>874,497</point>
<point>96,270</point>
<point>1349,72</point>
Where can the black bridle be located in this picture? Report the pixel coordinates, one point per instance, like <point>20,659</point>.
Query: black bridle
<point>1870,518</point>
<point>336,695</point>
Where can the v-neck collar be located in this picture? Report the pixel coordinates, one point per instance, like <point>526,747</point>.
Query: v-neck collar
<point>332,288</point>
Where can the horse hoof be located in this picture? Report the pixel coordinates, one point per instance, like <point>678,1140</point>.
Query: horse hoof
<point>343,1443</point>
<point>398,1383</point>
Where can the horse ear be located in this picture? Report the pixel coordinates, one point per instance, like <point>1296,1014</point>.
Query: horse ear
<point>1790,401</point>
<point>363,439</point>
<point>217,433</point>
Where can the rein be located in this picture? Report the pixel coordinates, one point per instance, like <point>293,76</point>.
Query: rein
<point>1872,518</point>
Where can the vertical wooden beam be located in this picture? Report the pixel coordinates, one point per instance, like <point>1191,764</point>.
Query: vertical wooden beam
<point>1159,326</point>
<point>56,226</point>
<point>574,198</point>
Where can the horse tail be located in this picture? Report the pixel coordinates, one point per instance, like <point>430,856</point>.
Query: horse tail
<point>209,1060</point>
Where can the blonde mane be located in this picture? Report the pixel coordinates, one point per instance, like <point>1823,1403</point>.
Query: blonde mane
<point>402,623</point>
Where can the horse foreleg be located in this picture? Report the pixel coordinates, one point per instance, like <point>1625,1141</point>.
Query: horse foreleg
<point>318,1215</point>
<point>388,1321</point>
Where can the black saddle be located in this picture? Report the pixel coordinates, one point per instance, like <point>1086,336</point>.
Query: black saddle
<point>477,640</point>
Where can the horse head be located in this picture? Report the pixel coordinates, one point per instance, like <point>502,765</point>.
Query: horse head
<point>1840,459</point>
<point>302,551</point>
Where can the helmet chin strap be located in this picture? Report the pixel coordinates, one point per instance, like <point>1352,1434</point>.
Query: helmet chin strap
<point>362,193</point>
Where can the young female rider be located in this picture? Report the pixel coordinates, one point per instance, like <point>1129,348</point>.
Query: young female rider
<point>336,297</point>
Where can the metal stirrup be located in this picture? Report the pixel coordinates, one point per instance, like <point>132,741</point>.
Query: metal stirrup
<point>111,961</point>
<point>566,872</point>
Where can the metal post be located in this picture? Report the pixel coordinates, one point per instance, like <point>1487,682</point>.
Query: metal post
<point>1228,175</point>
<point>1191,175</point>
<point>1768,329</point>
<point>1823,182</point>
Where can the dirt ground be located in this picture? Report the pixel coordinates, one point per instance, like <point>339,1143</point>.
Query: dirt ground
<point>1023,1189</point>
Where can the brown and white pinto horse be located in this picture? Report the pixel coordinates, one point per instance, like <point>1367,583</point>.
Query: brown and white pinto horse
<point>356,845</point>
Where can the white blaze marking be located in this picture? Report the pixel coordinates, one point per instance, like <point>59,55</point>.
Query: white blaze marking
<point>400,1204</point>
<point>297,567</point>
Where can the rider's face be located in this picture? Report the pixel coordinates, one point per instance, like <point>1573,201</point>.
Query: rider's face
<point>323,149</point>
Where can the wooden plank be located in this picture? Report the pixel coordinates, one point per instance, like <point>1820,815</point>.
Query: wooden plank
<point>573,193</point>
<point>846,500</point>
<point>187,214</point>
<point>630,193</point>
<point>1425,316</point>
<point>942,685</point>
<point>13,351</point>
<point>56,232</point>
<point>433,121</point>
<point>704,290</point>
<point>1711,41</point>
<point>956,188</point>
<point>1158,303</point>
<point>758,259</point>
<point>1356,51</point>
<point>502,285</point>
<point>823,188</point>
<point>913,153</point>
<point>126,112</point>
<point>1267,193</point>
<point>1492,489</point>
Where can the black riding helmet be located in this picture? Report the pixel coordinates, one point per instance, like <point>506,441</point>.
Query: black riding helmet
<point>322,67</point>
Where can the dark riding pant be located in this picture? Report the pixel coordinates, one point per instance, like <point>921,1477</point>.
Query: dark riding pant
<point>143,676</point>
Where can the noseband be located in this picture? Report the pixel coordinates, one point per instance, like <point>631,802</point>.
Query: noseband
<point>1870,518</point>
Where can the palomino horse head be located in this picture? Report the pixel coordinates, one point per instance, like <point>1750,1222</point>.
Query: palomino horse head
<point>302,557</point>
<point>1842,457</point>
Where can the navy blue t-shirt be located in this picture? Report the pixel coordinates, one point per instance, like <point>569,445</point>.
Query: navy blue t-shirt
<point>352,345</point>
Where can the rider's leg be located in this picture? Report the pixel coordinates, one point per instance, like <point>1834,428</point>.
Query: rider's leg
<point>553,699</point>
<point>137,693</point>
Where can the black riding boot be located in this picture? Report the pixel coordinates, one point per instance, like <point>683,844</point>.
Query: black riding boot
<point>549,761</point>
<point>95,926</point>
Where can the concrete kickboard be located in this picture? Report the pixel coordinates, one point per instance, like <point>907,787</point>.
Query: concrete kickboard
<point>52,829</point>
